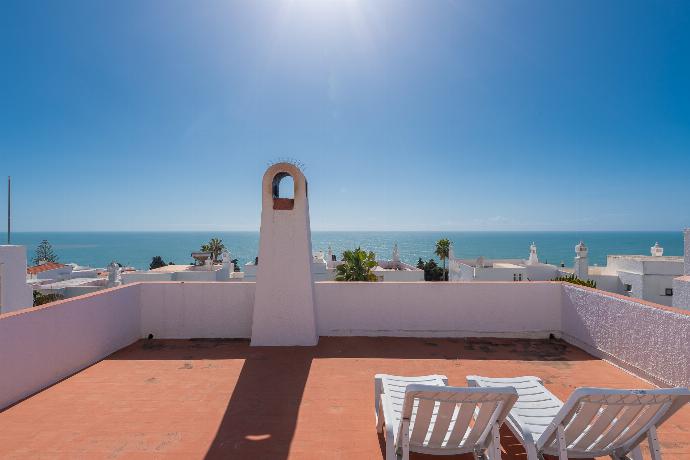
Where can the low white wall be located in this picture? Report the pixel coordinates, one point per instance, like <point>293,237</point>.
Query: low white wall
<point>424,309</point>
<point>650,340</point>
<point>681,292</point>
<point>40,346</point>
<point>197,310</point>
<point>138,277</point>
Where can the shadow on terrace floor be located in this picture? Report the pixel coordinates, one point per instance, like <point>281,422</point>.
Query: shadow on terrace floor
<point>268,400</point>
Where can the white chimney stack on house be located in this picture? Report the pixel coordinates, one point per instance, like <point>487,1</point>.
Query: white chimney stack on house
<point>533,258</point>
<point>284,311</point>
<point>581,266</point>
<point>396,253</point>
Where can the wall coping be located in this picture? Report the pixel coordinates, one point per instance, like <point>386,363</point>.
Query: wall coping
<point>523,283</point>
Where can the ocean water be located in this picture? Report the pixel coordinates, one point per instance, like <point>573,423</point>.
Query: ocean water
<point>137,248</point>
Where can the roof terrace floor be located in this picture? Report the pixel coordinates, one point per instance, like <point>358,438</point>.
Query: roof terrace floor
<point>192,399</point>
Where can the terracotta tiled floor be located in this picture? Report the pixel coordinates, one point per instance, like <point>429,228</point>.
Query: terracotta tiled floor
<point>222,399</point>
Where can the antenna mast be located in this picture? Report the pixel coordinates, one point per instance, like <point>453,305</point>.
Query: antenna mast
<point>9,208</point>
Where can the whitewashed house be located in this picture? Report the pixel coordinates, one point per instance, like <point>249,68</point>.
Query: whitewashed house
<point>681,285</point>
<point>205,271</point>
<point>643,277</point>
<point>15,294</point>
<point>396,270</point>
<point>482,269</point>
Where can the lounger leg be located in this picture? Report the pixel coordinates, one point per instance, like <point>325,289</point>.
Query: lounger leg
<point>495,446</point>
<point>379,416</point>
<point>531,451</point>
<point>378,389</point>
<point>653,440</point>
<point>635,454</point>
<point>406,439</point>
<point>390,445</point>
<point>562,447</point>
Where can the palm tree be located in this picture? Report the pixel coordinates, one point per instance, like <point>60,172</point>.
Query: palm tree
<point>356,266</point>
<point>215,246</point>
<point>442,250</point>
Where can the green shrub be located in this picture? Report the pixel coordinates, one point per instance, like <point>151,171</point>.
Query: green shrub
<point>575,280</point>
<point>40,299</point>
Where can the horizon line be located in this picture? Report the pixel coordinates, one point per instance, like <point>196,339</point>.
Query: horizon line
<point>362,230</point>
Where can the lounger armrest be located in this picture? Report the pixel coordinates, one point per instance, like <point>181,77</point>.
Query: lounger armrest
<point>476,380</point>
<point>378,390</point>
<point>388,414</point>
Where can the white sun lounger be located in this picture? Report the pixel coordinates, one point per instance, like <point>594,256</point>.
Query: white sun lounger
<point>593,422</point>
<point>423,414</point>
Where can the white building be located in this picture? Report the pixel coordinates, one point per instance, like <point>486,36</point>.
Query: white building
<point>53,271</point>
<point>207,271</point>
<point>14,292</point>
<point>681,285</point>
<point>65,280</point>
<point>644,277</point>
<point>482,269</point>
<point>396,270</point>
<point>320,269</point>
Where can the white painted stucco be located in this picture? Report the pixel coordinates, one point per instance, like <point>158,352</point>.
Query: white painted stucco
<point>686,252</point>
<point>15,294</point>
<point>681,285</point>
<point>197,310</point>
<point>40,346</point>
<point>437,309</point>
<point>652,340</point>
<point>284,300</point>
<point>681,292</point>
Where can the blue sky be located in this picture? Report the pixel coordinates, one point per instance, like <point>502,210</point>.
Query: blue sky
<point>409,115</point>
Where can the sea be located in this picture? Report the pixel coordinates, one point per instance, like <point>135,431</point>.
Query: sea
<point>135,249</point>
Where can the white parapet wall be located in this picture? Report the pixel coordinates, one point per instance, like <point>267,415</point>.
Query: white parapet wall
<point>40,346</point>
<point>424,309</point>
<point>648,339</point>
<point>185,310</point>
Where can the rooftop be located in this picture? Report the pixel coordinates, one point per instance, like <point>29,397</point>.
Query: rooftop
<point>44,267</point>
<point>71,283</point>
<point>221,399</point>
<point>643,258</point>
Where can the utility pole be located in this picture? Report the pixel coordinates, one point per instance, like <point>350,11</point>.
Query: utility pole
<point>9,208</point>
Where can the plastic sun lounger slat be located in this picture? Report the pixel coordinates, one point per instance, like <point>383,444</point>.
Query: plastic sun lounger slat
<point>422,420</point>
<point>462,425</point>
<point>482,421</point>
<point>444,417</point>
<point>648,413</point>
<point>592,432</point>
<point>584,418</point>
<point>435,419</point>
<point>622,423</point>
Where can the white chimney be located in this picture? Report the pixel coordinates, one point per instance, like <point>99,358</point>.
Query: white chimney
<point>581,266</point>
<point>533,258</point>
